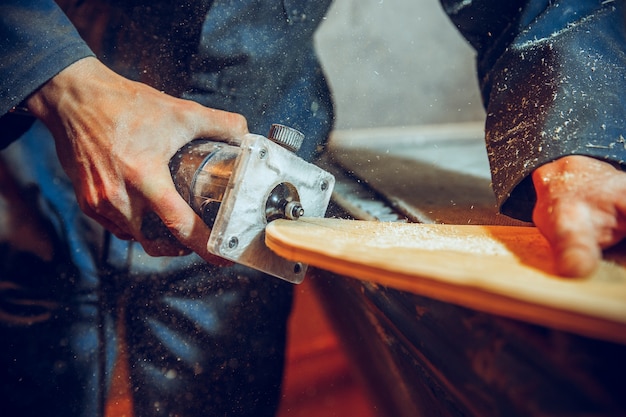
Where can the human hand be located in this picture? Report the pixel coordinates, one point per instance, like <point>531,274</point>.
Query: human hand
<point>115,137</point>
<point>581,210</point>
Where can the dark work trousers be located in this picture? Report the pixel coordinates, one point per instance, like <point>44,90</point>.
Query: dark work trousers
<point>201,341</point>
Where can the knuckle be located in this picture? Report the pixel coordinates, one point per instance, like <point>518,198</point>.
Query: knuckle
<point>90,203</point>
<point>239,122</point>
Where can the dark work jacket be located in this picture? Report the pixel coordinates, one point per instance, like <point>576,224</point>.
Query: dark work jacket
<point>37,41</point>
<point>553,77</point>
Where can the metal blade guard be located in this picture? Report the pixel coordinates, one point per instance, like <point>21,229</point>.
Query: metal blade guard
<point>238,190</point>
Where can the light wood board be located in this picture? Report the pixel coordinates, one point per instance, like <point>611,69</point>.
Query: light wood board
<point>504,270</point>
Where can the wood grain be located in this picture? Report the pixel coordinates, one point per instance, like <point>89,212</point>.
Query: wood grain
<point>504,270</point>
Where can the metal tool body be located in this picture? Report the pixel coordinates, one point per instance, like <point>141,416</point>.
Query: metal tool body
<point>238,190</point>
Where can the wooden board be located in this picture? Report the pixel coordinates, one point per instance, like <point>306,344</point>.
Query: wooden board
<point>504,270</point>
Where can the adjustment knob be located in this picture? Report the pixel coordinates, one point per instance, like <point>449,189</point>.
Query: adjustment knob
<point>287,137</point>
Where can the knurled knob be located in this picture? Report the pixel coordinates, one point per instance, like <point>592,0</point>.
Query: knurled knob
<point>286,137</point>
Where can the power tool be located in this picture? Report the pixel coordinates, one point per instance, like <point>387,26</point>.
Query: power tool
<point>238,188</point>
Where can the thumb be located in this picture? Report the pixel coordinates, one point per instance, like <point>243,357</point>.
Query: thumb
<point>183,223</point>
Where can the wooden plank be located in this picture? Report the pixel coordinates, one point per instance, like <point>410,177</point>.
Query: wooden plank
<point>503,270</point>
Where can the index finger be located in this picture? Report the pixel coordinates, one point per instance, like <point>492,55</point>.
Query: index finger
<point>217,124</point>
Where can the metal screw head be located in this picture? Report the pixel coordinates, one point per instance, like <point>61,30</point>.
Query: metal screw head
<point>262,153</point>
<point>233,242</point>
<point>324,185</point>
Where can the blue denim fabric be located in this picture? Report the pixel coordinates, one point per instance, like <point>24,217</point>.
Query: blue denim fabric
<point>270,75</point>
<point>201,341</point>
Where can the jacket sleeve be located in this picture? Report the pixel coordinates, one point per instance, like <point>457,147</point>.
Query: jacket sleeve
<point>37,41</point>
<point>553,81</point>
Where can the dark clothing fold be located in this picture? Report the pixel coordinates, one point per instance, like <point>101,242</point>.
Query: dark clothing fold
<point>200,340</point>
<point>552,75</point>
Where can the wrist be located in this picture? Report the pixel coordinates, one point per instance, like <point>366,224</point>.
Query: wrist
<point>47,99</point>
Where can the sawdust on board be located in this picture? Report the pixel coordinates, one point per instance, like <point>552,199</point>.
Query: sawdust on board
<point>439,239</point>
